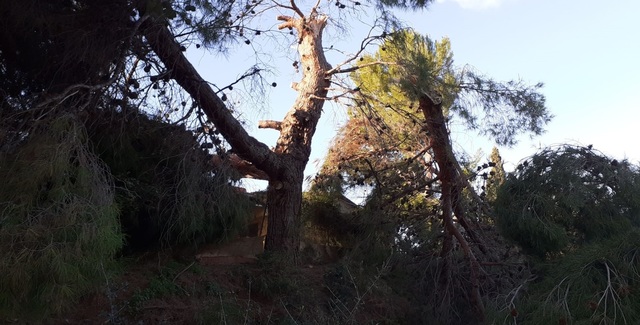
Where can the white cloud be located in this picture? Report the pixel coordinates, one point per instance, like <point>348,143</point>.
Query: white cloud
<point>477,4</point>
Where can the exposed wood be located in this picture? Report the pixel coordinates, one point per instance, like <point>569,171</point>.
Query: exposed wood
<point>245,168</point>
<point>284,195</point>
<point>270,124</point>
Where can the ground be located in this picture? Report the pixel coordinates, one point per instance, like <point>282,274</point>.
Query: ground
<point>156,288</point>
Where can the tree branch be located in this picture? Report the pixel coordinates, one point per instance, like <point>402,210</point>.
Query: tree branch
<point>288,22</point>
<point>270,124</point>
<point>296,9</point>
<point>163,43</point>
<point>336,70</point>
<point>245,168</point>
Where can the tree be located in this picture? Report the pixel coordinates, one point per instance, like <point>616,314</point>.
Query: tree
<point>284,165</point>
<point>576,211</point>
<point>383,134</point>
<point>411,72</point>
<point>566,196</point>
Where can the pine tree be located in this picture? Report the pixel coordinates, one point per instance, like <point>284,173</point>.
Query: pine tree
<point>423,72</point>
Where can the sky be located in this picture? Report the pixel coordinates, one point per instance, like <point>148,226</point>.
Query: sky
<point>585,52</point>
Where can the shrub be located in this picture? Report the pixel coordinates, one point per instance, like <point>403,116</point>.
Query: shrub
<point>596,284</point>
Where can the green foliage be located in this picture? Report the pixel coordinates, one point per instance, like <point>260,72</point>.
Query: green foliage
<point>596,284</point>
<point>409,65</point>
<point>384,144</point>
<point>419,67</point>
<point>165,185</point>
<point>59,227</point>
<point>567,196</point>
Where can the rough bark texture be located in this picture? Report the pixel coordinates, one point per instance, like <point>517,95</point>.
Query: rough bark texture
<point>284,195</point>
<point>285,165</point>
<point>451,182</point>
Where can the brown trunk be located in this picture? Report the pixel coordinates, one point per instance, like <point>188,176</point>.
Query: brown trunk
<point>450,180</point>
<point>284,195</point>
<point>284,199</point>
<point>285,164</point>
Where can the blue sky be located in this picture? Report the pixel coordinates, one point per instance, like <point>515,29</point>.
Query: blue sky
<point>586,53</point>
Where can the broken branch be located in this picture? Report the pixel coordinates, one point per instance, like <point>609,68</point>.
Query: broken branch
<point>270,124</point>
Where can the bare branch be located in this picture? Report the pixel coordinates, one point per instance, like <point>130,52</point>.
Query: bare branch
<point>363,45</point>
<point>288,22</point>
<point>337,69</point>
<point>245,168</point>
<point>315,7</point>
<point>296,9</point>
<point>270,124</point>
<point>253,71</point>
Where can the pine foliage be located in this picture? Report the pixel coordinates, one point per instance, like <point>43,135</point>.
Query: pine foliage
<point>59,228</point>
<point>595,284</point>
<point>170,192</point>
<point>566,196</point>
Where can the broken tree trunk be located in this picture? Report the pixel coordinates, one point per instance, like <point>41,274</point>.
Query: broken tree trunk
<point>284,165</point>
<point>451,183</point>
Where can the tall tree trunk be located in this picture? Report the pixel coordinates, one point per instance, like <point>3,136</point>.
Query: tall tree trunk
<point>284,165</point>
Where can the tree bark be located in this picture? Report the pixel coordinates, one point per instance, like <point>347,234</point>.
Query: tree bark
<point>284,165</point>
<point>284,198</point>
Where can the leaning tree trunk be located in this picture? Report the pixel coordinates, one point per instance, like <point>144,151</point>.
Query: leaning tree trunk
<point>284,165</point>
<point>451,183</point>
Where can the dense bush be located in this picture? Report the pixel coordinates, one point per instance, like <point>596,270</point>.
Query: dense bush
<point>577,212</point>
<point>76,190</point>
